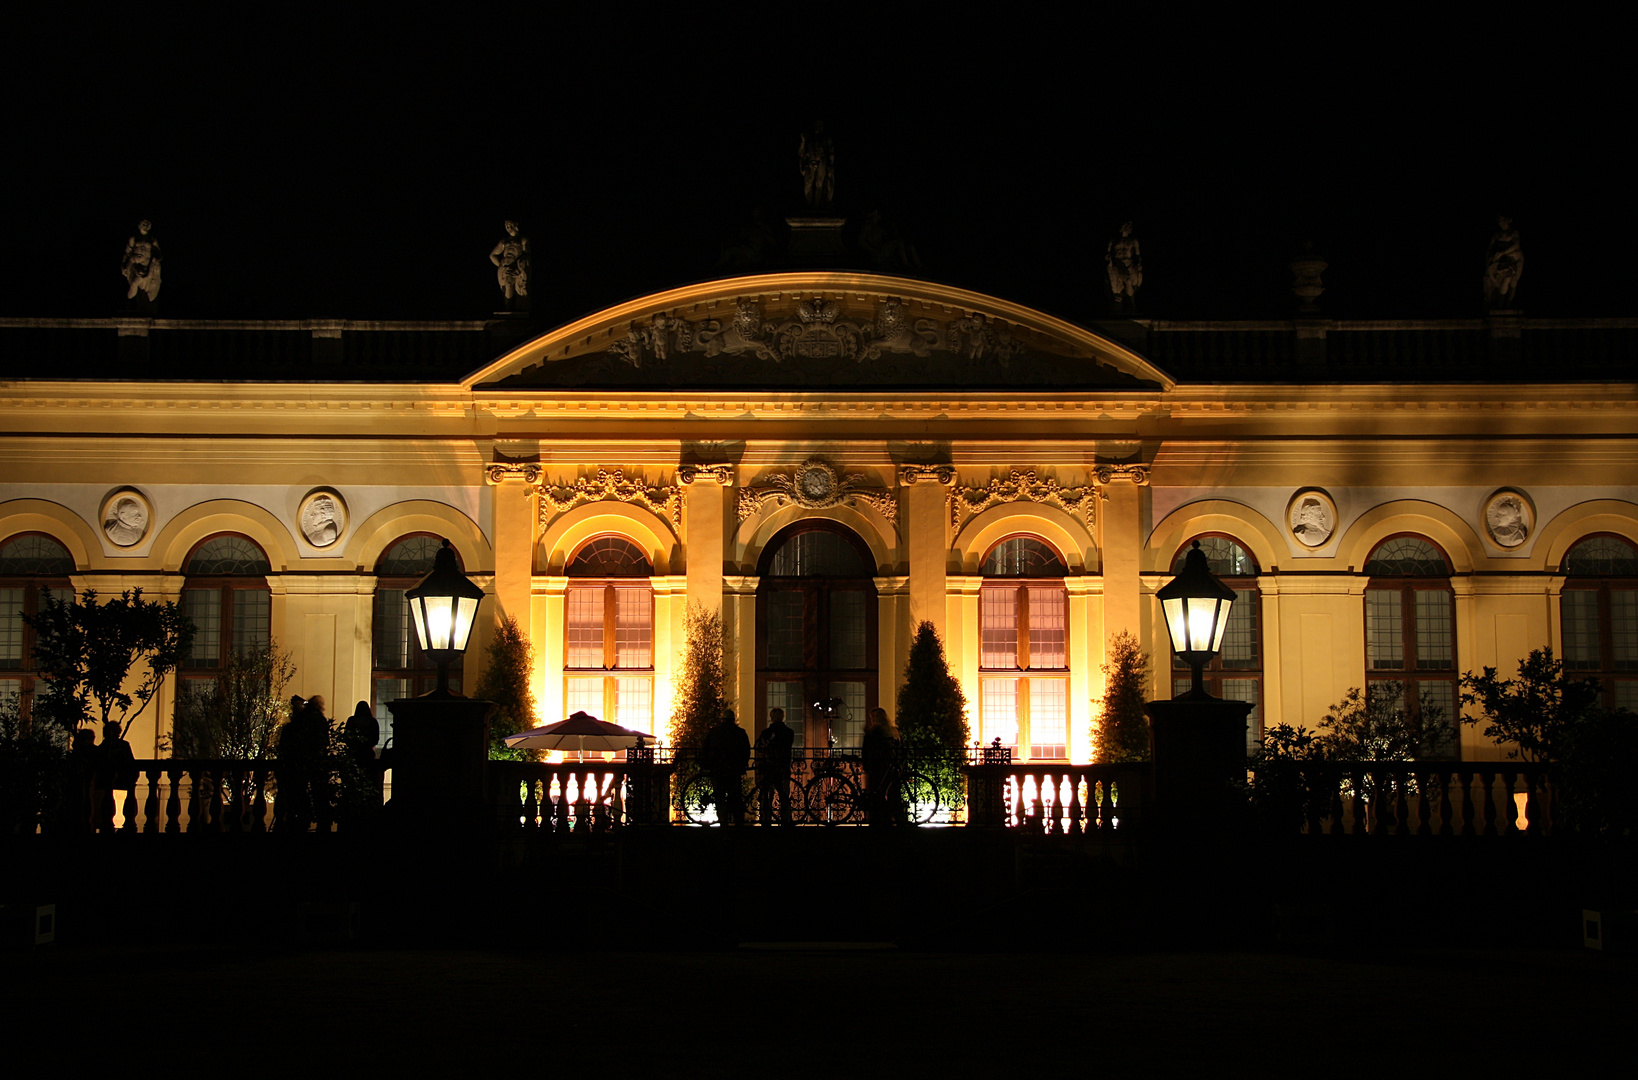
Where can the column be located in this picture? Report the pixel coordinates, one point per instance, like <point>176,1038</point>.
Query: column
<point>1121,542</point>
<point>926,540</point>
<point>513,506</point>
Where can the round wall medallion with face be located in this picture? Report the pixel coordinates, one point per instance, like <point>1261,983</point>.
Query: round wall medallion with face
<point>1312,517</point>
<point>323,517</point>
<point>126,516</point>
<point>1509,517</point>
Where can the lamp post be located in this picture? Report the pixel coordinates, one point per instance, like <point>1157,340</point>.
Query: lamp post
<point>1197,741</point>
<point>441,739</point>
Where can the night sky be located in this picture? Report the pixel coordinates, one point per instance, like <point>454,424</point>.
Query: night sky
<point>361,167</point>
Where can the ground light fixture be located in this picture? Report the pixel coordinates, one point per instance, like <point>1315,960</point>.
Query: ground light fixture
<point>1196,606</point>
<point>444,606</point>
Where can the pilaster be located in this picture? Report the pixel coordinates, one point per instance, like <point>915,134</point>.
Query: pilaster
<point>926,539</point>
<point>705,502</point>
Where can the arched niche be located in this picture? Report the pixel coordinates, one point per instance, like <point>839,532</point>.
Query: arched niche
<point>183,533</point>
<point>579,525</point>
<point>55,520</point>
<point>1555,538</point>
<point>755,533</point>
<point>1254,532</point>
<point>384,527</point>
<point>1458,540</point>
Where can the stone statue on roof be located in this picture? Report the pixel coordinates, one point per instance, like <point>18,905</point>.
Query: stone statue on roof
<point>1503,266</point>
<point>817,157</point>
<point>511,259</point>
<point>1124,261</point>
<point>140,267</point>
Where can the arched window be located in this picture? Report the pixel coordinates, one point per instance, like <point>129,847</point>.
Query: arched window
<point>226,596</point>
<point>1236,673</point>
<point>1024,649</point>
<point>1410,626</point>
<point>1600,609</point>
<point>608,666</point>
<point>31,566</point>
<point>401,669</point>
<point>816,607</point>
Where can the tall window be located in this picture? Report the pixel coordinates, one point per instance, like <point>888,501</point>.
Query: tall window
<point>31,565</point>
<point>1024,650</point>
<point>1600,609</point>
<point>1410,625</point>
<point>609,667</point>
<point>401,669</point>
<point>816,605</point>
<point>226,596</point>
<point>1236,673</point>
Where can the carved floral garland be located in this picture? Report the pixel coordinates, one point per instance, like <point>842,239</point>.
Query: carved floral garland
<point>1022,487</point>
<point>609,485</point>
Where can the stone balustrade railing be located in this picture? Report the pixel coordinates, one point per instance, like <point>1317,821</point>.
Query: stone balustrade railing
<point>1404,798</point>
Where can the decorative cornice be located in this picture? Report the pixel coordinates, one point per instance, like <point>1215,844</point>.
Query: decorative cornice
<point>816,485</point>
<point>943,475</point>
<point>1107,474</point>
<point>965,502</point>
<point>722,474</point>
<point>609,485</point>
<point>527,471</point>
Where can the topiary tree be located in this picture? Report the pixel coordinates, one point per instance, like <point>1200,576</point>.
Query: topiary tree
<point>506,681</point>
<point>932,712</point>
<point>700,700</point>
<point>1123,726</point>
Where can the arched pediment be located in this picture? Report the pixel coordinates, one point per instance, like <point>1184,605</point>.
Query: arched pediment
<point>817,330</point>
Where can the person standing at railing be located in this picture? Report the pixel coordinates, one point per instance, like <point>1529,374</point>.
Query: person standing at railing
<point>881,754</point>
<point>115,771</point>
<point>773,767</point>
<point>725,756</point>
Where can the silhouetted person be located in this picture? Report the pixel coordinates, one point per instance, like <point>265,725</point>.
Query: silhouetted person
<point>880,753</point>
<point>773,767</point>
<point>360,736</point>
<point>301,766</point>
<point>725,756</point>
<point>115,771</point>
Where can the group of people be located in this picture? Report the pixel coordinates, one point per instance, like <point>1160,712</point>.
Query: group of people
<point>304,759</point>
<point>727,753</point>
<point>96,772</point>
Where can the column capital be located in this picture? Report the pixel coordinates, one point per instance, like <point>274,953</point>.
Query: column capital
<point>720,473</point>
<point>943,475</point>
<point>1104,475</point>
<point>526,471</point>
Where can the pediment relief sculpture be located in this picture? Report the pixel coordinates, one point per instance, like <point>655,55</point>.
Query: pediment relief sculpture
<point>816,485</point>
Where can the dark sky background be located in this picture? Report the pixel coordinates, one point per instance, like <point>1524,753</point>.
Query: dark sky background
<point>360,167</point>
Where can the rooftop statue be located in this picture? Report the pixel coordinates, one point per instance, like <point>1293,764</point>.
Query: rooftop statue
<point>511,259</point>
<point>817,157</point>
<point>141,267</point>
<point>1125,264</point>
<point>1503,266</point>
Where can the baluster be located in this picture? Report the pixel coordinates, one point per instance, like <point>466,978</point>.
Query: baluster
<point>1488,787</point>
<point>258,802</point>
<point>1446,811</point>
<point>1076,783</point>
<point>1423,781</point>
<point>218,811</point>
<point>583,808</point>
<point>1508,779</point>
<point>236,796</point>
<point>1467,801</point>
<point>1334,779</point>
<point>554,816</point>
<point>173,802</point>
<point>530,807</point>
<point>617,804</point>
<point>196,809</point>
<point>1401,809</point>
<point>1532,805</point>
<point>1357,779</point>
<point>150,807</point>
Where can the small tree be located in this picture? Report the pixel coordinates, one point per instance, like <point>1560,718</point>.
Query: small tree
<point>33,770</point>
<point>237,714</point>
<point>932,712</point>
<point>1123,729</point>
<point>507,682</point>
<point>700,700</point>
<point>1376,726</point>
<point>87,650</point>
<point>1534,712</point>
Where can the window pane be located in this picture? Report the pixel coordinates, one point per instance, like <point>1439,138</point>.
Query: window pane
<point>11,628</point>
<point>1224,557</point>
<point>817,554</point>
<point>1022,556</point>
<point>1441,696</point>
<point>204,607</point>
<point>1048,717</point>
<point>788,696</point>
<point>847,630</point>
<point>392,629</point>
<point>1624,629</point>
<point>1602,556</point>
<point>228,555</point>
<point>999,711</point>
<point>1240,639</point>
<point>1435,622</point>
<point>998,621</point>
<point>1384,630</point>
<point>411,557</point>
<point>1247,690</point>
<point>389,690</point>
<point>1048,617</point>
<point>1626,694</point>
<point>633,628</point>
<point>11,693</point>
<point>1582,651</point>
<point>1406,556</point>
<point>785,630</point>
<point>585,628</point>
<point>252,620</point>
<point>584,695</point>
<point>850,725</point>
<point>634,704</point>
<point>609,556</point>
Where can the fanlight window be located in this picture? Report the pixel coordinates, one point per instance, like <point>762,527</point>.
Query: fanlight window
<point>1024,630</point>
<point>1407,556</point>
<point>35,554</point>
<point>1023,556</point>
<point>1600,614</point>
<point>609,556</point>
<point>609,644</point>
<point>1236,672</point>
<point>817,554</point>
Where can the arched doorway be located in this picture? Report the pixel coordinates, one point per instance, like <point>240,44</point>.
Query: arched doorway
<point>816,616</point>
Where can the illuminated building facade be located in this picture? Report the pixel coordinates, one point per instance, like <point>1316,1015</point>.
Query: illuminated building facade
<point>828,459</point>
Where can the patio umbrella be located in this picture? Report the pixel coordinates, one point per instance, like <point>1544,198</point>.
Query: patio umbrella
<point>581,732</point>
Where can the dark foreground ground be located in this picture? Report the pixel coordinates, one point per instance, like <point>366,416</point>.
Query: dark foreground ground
<point>819,953</point>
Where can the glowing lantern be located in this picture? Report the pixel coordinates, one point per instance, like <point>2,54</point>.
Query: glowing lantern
<point>1197,606</point>
<point>444,606</point>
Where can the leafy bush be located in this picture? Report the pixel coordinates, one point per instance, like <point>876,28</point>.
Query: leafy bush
<point>237,714</point>
<point>1123,726</point>
<point>33,771</point>
<point>1536,711</point>
<point>1376,726</point>
<point>86,650</point>
<point>932,713</point>
<point>1283,795</point>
